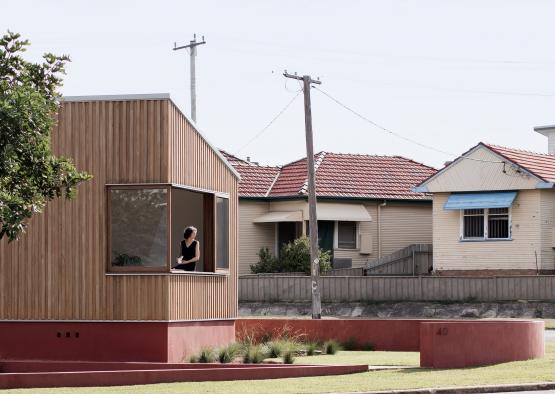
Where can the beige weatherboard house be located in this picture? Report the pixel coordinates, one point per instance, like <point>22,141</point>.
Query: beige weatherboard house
<point>494,211</point>
<point>366,208</point>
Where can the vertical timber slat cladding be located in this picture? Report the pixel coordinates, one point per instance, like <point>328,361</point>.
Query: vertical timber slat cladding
<point>57,269</point>
<point>193,162</point>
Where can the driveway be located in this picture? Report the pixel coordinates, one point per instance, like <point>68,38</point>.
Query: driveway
<point>549,336</point>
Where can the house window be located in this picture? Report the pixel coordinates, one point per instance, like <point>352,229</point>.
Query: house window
<point>498,223</point>
<point>222,233</point>
<point>473,223</point>
<point>347,235</point>
<point>146,225</point>
<point>487,223</point>
<point>139,229</point>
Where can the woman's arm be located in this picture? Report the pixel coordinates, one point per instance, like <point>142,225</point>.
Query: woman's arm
<point>197,255</point>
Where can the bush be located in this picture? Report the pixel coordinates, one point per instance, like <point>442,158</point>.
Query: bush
<point>331,347</point>
<point>288,358</point>
<point>266,262</point>
<point>229,353</point>
<point>294,257</point>
<point>193,359</point>
<point>369,347</point>
<point>351,344</point>
<point>206,355</point>
<point>311,348</point>
<point>254,354</point>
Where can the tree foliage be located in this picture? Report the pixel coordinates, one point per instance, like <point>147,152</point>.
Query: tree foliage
<point>294,257</point>
<point>30,174</point>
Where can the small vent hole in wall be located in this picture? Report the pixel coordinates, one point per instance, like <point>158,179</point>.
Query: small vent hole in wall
<point>68,334</point>
<point>59,334</point>
<point>77,335</point>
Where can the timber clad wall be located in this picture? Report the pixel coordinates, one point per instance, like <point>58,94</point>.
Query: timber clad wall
<point>485,172</point>
<point>194,163</point>
<point>253,236</point>
<point>57,270</point>
<point>528,215</point>
<point>402,224</point>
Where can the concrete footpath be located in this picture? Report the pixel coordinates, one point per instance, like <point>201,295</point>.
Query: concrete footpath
<point>503,388</point>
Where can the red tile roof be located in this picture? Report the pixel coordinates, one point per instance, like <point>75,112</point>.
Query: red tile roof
<point>337,175</point>
<point>256,180</point>
<point>540,164</point>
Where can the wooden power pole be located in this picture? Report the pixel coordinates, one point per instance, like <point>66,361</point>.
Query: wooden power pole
<point>193,54</point>
<point>313,219</point>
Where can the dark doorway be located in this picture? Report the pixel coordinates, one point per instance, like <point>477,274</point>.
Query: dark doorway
<point>288,232</point>
<point>325,234</point>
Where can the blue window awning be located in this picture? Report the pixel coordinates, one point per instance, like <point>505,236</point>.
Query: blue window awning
<point>480,200</point>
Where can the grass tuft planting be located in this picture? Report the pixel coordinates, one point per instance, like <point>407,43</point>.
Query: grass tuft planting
<point>229,353</point>
<point>331,347</point>
<point>255,354</point>
<point>206,355</point>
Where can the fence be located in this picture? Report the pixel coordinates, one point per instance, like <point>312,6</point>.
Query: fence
<point>415,259</point>
<point>256,288</point>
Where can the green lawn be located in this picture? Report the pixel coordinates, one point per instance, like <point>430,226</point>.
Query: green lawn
<point>549,324</point>
<point>516,372</point>
<point>370,358</point>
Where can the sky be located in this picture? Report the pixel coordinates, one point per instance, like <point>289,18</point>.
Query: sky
<point>444,74</point>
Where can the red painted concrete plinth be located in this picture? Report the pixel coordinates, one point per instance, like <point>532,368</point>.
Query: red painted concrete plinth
<point>111,341</point>
<point>68,374</point>
<point>442,344</point>
<point>461,344</point>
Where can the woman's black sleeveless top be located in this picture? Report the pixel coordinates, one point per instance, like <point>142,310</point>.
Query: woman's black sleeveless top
<point>188,252</point>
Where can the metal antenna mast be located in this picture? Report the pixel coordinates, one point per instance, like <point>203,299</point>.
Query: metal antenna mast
<point>313,220</point>
<point>192,46</point>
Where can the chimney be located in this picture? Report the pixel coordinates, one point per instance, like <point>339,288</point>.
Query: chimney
<point>248,159</point>
<point>549,132</point>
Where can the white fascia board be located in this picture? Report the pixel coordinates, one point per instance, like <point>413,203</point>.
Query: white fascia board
<point>117,97</point>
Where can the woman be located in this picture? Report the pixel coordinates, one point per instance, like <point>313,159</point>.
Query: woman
<point>190,250</point>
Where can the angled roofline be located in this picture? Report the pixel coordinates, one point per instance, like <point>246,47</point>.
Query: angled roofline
<point>422,188</point>
<point>153,96</point>
<point>492,148</point>
<point>117,97</point>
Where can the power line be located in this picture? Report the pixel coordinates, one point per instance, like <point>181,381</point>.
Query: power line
<point>270,123</point>
<point>400,136</point>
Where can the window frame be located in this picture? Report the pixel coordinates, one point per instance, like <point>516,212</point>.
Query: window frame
<point>215,218</point>
<point>164,269</point>
<point>356,234</point>
<point>485,238</point>
<point>115,269</point>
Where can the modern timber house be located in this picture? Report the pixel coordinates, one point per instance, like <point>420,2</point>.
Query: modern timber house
<point>366,206</point>
<point>92,277</point>
<point>494,211</point>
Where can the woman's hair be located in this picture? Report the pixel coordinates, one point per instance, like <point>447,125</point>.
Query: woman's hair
<point>188,231</point>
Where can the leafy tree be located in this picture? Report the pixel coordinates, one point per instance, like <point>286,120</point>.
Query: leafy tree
<point>294,257</point>
<point>30,174</point>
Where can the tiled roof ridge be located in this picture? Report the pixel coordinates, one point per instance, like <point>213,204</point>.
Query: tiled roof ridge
<point>317,162</point>
<point>382,156</point>
<point>273,183</point>
<point>495,146</point>
<point>247,163</point>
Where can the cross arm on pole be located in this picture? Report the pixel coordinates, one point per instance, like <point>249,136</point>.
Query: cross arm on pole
<point>295,76</point>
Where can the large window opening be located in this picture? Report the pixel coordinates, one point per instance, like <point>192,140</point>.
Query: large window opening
<point>486,223</point>
<point>139,220</point>
<point>147,224</point>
